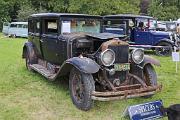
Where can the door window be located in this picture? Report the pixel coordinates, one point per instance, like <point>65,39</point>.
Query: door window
<point>51,26</point>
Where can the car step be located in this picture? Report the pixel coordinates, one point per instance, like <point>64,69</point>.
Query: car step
<point>42,70</point>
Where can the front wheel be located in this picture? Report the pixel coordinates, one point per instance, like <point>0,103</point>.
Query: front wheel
<point>150,76</point>
<point>164,51</point>
<point>81,86</point>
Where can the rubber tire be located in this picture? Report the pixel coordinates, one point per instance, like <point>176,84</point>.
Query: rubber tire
<point>164,44</point>
<point>150,78</point>
<point>14,36</point>
<point>89,86</point>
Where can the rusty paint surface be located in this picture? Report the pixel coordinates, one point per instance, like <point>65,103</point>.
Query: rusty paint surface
<point>123,94</point>
<point>113,42</point>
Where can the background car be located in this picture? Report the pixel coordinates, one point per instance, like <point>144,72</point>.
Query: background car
<point>168,26</point>
<point>142,32</point>
<point>15,29</point>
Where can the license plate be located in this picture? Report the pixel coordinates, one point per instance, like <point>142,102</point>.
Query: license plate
<point>122,67</point>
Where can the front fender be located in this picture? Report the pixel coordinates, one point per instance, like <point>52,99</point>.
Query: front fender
<point>138,69</point>
<point>150,60</point>
<point>84,64</point>
<point>28,46</point>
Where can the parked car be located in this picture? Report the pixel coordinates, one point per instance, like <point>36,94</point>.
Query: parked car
<point>168,26</point>
<point>16,29</point>
<point>142,32</point>
<point>100,66</point>
<point>5,28</point>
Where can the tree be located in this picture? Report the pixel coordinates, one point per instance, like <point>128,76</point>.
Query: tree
<point>144,5</point>
<point>164,10</point>
<point>103,7</point>
<point>27,9</point>
<point>3,13</point>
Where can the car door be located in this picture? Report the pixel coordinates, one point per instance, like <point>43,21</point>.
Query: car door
<point>141,33</point>
<point>34,35</point>
<point>49,40</point>
<point>142,37</point>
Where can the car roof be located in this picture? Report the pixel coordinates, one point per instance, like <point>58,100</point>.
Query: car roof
<point>126,16</point>
<point>19,23</point>
<point>65,15</point>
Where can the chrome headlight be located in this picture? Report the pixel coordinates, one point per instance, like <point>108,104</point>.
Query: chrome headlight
<point>137,55</point>
<point>107,57</point>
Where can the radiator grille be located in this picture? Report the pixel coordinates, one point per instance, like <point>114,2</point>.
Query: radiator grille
<point>122,53</point>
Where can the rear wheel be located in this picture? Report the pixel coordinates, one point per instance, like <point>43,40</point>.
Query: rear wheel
<point>164,51</point>
<point>14,36</point>
<point>81,86</point>
<point>150,76</point>
<point>28,61</point>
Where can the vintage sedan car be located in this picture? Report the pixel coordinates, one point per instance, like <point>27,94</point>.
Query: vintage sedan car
<point>142,32</point>
<point>100,66</point>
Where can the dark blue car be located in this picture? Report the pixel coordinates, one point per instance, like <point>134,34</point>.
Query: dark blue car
<point>142,32</point>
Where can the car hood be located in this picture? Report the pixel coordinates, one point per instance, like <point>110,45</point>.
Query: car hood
<point>105,36</point>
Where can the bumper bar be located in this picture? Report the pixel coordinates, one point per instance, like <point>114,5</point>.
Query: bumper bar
<point>125,94</point>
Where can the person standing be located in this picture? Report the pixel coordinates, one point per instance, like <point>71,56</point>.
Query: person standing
<point>178,29</point>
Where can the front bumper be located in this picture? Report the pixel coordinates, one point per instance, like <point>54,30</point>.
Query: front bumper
<point>125,92</point>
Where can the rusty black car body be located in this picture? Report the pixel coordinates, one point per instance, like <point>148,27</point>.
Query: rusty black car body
<point>100,66</point>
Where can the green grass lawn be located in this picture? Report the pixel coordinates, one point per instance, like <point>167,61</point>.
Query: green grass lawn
<point>29,96</point>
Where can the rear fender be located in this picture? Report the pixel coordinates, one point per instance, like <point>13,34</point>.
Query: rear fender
<point>166,40</point>
<point>85,65</point>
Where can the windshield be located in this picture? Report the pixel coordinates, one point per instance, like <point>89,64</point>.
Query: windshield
<point>152,24</point>
<point>92,26</point>
<point>115,26</point>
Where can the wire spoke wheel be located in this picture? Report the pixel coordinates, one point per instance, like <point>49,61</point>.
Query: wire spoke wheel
<point>78,88</point>
<point>166,49</point>
<point>150,76</point>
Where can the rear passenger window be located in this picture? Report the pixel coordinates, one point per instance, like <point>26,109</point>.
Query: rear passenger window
<point>13,25</point>
<point>36,26</point>
<point>51,27</point>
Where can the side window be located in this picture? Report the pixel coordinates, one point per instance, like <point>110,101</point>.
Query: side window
<point>30,26</point>
<point>51,26</point>
<point>13,25</point>
<point>25,26</point>
<point>20,25</point>
<point>37,26</point>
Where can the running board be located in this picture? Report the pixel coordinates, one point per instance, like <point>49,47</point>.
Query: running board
<point>43,71</point>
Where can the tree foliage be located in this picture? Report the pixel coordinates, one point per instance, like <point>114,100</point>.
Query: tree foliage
<point>18,10</point>
<point>165,9</point>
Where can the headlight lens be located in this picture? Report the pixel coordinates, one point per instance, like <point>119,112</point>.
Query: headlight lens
<point>107,57</point>
<point>138,55</point>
